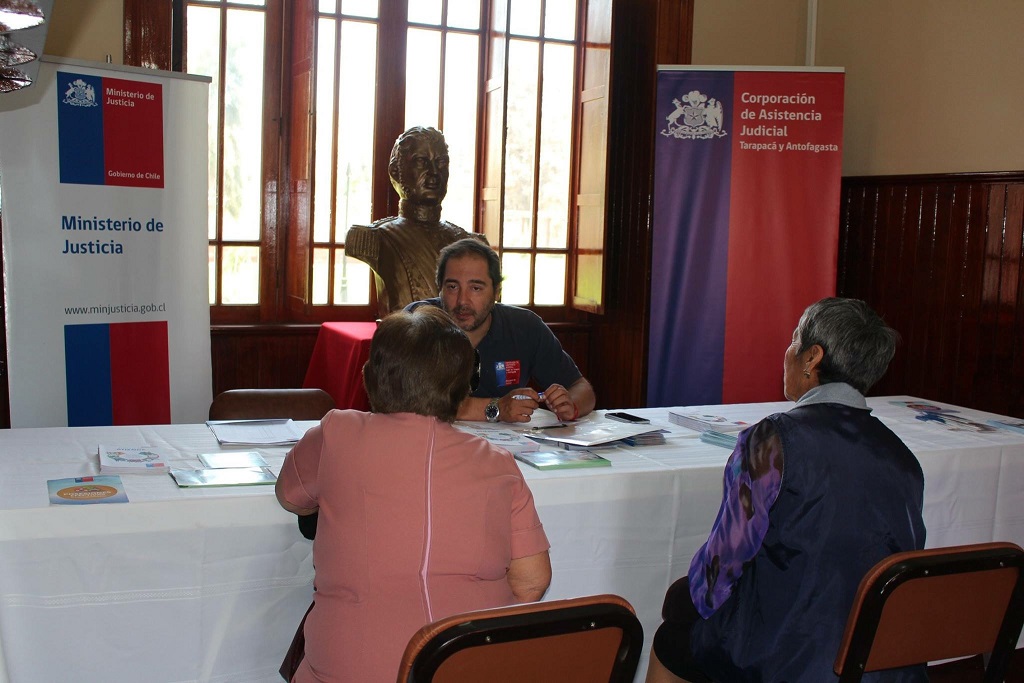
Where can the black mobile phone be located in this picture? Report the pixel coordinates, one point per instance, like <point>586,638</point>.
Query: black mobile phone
<point>627,417</point>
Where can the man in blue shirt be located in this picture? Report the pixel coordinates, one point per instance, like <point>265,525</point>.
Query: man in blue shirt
<point>514,344</point>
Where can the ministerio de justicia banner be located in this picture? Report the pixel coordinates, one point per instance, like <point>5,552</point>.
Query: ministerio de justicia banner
<point>745,225</point>
<point>103,184</point>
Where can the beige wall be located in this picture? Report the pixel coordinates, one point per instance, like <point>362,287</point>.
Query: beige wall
<point>86,29</point>
<point>932,86</point>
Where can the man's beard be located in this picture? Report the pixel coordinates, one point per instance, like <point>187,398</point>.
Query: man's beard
<point>475,322</point>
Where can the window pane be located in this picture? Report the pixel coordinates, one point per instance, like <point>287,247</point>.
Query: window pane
<point>560,19</point>
<point>254,3</point>
<point>360,8</point>
<point>241,275</point>
<point>549,286</point>
<point>212,259</point>
<point>422,78</point>
<point>525,18</point>
<point>515,285</point>
<point>356,108</point>
<point>243,126</point>
<point>464,13</point>
<point>555,147</point>
<point>520,144</point>
<point>321,266</point>
<point>351,280</point>
<point>460,98</point>
<point>203,58</point>
<point>425,12</point>
<point>324,137</point>
<point>328,6</point>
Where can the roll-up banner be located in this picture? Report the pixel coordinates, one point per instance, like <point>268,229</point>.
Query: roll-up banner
<point>103,180</point>
<point>746,223</point>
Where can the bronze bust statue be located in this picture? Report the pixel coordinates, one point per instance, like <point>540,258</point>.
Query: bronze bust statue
<point>403,250</point>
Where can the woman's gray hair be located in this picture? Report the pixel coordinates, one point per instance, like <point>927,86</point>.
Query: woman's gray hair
<point>858,345</point>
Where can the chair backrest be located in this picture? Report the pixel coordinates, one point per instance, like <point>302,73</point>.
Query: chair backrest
<point>254,404</point>
<point>928,605</point>
<point>582,640</point>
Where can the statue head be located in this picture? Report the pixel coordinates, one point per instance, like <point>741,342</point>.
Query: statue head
<point>419,166</point>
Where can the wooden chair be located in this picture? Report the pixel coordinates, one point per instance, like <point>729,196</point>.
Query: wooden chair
<point>254,404</point>
<point>582,640</point>
<point>931,605</point>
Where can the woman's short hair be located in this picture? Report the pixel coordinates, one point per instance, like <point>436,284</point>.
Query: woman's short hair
<point>420,362</point>
<point>858,345</point>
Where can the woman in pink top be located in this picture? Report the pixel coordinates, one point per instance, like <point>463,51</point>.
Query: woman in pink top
<point>417,520</point>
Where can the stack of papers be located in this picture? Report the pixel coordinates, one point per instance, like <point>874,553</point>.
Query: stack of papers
<point>281,432</point>
<point>702,423</point>
<point>509,439</point>
<point>132,460</point>
<point>716,438</point>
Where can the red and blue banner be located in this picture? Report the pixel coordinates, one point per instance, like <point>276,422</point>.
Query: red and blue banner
<point>746,223</point>
<point>117,374</point>
<point>110,131</point>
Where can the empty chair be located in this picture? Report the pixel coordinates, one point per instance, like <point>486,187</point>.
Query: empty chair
<point>929,605</point>
<point>582,640</point>
<point>253,404</point>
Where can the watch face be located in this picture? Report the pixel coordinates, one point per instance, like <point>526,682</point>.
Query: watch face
<point>491,411</point>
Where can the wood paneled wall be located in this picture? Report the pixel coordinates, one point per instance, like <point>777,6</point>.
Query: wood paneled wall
<point>940,257</point>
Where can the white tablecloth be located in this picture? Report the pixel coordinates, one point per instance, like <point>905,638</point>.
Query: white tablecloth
<point>208,585</point>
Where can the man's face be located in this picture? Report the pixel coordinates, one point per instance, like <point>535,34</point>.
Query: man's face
<point>424,171</point>
<point>467,292</point>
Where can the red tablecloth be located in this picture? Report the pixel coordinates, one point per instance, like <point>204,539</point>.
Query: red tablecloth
<point>337,363</point>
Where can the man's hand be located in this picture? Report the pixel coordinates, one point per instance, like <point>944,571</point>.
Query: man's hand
<point>560,402</point>
<point>518,405</point>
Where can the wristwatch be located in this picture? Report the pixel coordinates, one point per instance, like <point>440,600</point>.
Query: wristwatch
<point>491,411</point>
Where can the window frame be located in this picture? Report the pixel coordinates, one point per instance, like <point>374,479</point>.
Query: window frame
<point>285,243</point>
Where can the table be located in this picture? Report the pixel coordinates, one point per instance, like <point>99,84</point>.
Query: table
<point>208,585</point>
<point>337,363</point>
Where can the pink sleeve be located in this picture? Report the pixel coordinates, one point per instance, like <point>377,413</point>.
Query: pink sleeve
<point>299,481</point>
<point>528,537</point>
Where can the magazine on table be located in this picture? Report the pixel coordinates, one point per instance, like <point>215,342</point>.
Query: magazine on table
<point>702,422</point>
<point>562,460</point>
<point>86,490</point>
<point>224,476</point>
<point>224,459</point>
<point>591,432</point>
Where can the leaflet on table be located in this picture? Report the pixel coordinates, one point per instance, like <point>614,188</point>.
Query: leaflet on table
<point>132,460</point>
<point>226,476</point>
<point>86,490</point>
<point>499,435</point>
<point>700,422</point>
<point>224,459</point>
<point>591,432</point>
<point>256,432</point>
<point>716,438</point>
<point>562,460</point>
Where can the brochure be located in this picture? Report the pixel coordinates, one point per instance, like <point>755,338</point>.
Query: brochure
<point>590,432</point>
<point>86,490</point>
<point>562,460</point>
<point>132,460</point>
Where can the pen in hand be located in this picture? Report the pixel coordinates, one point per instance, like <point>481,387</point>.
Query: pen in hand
<point>524,397</point>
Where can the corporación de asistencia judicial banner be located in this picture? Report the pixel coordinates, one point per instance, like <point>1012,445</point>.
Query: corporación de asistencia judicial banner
<point>745,230</point>
<point>103,179</point>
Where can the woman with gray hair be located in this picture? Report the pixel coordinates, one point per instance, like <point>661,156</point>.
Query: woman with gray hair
<point>813,498</point>
<point>417,520</point>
